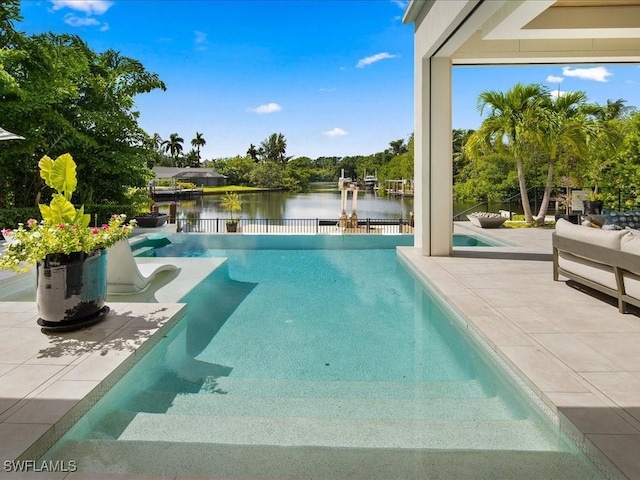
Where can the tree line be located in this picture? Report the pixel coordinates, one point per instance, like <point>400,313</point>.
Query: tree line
<point>267,165</point>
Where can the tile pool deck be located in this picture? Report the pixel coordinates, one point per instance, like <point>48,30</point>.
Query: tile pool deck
<point>573,350</point>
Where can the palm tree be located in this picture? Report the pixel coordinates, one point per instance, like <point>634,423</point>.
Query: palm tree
<point>605,142</point>
<point>275,148</point>
<point>190,159</point>
<point>173,146</point>
<point>397,147</point>
<point>460,158</point>
<point>156,142</point>
<point>197,142</point>
<point>564,129</point>
<point>510,128</point>
<point>281,148</point>
<point>252,152</point>
<point>614,110</point>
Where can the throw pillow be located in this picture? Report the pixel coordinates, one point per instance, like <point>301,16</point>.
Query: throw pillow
<point>623,219</point>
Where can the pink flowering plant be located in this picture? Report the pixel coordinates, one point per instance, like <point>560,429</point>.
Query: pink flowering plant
<point>64,229</point>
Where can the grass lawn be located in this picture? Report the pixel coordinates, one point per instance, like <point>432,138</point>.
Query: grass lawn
<point>233,188</point>
<point>523,224</point>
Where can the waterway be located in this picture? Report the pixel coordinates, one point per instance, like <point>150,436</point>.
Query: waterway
<point>321,201</point>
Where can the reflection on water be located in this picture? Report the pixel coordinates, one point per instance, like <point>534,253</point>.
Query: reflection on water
<point>322,201</point>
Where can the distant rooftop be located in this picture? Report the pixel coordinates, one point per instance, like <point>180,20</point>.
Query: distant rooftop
<point>186,172</point>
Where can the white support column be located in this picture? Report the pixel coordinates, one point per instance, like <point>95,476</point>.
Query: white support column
<point>440,157</point>
<point>433,165</point>
<point>421,209</point>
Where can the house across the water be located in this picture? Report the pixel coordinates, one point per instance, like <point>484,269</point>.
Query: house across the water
<point>201,177</point>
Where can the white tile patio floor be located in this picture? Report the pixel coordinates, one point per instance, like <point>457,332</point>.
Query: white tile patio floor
<point>574,350</point>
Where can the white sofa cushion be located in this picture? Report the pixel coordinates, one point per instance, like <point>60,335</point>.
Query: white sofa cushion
<point>630,244</point>
<point>631,284</point>
<point>595,236</point>
<point>596,272</point>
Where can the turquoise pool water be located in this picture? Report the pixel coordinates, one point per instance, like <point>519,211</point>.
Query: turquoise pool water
<point>475,240</point>
<point>316,363</point>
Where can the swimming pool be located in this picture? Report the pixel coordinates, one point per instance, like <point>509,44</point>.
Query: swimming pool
<point>324,362</point>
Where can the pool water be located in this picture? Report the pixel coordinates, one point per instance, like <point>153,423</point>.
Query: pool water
<point>318,363</point>
<point>473,240</point>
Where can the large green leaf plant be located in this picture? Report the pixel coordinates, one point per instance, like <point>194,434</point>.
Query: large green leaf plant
<point>63,229</point>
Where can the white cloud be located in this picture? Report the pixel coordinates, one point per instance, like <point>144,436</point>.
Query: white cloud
<point>557,93</point>
<point>401,3</point>
<point>201,37</point>
<point>598,74</point>
<point>74,21</point>
<point>90,7</point>
<point>373,59</point>
<point>554,79</point>
<point>267,108</point>
<point>336,132</point>
<point>104,27</point>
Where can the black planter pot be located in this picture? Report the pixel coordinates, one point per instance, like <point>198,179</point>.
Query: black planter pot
<point>71,290</point>
<point>152,220</point>
<point>593,207</point>
<point>232,227</point>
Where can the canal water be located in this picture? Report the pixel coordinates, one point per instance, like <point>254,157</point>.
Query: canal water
<point>321,201</point>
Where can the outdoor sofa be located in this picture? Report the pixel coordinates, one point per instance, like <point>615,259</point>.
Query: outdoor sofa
<point>605,260</point>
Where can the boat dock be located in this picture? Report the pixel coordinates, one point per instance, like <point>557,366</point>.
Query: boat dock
<point>400,188</point>
<point>174,193</point>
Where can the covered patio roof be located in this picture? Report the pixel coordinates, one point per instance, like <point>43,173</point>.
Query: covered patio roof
<point>530,31</point>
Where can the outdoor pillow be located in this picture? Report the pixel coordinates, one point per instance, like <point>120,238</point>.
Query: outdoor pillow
<point>596,220</point>
<point>622,219</point>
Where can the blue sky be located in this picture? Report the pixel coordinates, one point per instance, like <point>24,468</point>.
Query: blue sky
<point>335,77</point>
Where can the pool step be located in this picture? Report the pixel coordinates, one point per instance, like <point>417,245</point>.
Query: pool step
<point>308,463</point>
<point>424,409</point>
<point>264,387</point>
<point>342,432</point>
<point>144,252</point>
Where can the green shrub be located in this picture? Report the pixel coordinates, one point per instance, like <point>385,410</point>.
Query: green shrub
<point>100,214</point>
<point>11,217</point>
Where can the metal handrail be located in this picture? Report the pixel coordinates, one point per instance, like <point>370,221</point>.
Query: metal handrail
<point>486,203</point>
<point>458,215</point>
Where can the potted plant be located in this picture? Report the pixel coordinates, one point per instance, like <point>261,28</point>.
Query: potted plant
<point>593,204</point>
<point>486,219</point>
<point>69,254</point>
<point>151,219</point>
<point>231,201</point>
